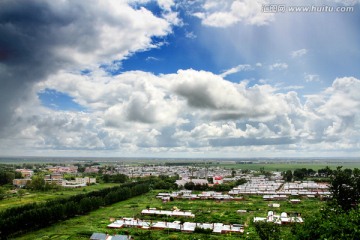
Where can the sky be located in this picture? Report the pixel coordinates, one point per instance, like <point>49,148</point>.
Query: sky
<point>190,78</point>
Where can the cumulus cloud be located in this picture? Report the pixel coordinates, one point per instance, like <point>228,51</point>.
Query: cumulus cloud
<point>41,37</point>
<point>188,111</point>
<point>47,44</point>
<point>225,13</point>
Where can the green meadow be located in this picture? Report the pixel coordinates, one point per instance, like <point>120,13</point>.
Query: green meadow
<point>209,211</point>
<point>38,196</point>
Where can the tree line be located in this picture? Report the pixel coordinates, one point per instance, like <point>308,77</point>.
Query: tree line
<point>225,187</point>
<point>18,220</point>
<point>303,173</point>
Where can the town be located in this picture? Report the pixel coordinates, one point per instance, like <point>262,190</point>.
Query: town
<point>249,197</point>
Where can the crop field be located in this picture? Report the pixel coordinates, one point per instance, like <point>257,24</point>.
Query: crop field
<point>30,197</point>
<point>209,211</point>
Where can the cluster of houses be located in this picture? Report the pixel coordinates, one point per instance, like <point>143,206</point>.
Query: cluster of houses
<point>283,218</point>
<point>56,177</point>
<point>187,194</point>
<point>279,190</point>
<point>177,225</point>
<point>62,169</point>
<point>306,188</point>
<point>184,172</point>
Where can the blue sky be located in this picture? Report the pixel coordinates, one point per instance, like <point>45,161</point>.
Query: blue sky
<point>172,78</point>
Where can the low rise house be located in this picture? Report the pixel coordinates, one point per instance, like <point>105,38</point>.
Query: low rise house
<point>79,182</point>
<point>218,180</point>
<point>21,182</point>
<point>85,180</point>
<point>175,213</point>
<point>283,218</point>
<point>183,181</point>
<point>25,173</point>
<point>105,236</point>
<point>176,225</point>
<point>54,178</point>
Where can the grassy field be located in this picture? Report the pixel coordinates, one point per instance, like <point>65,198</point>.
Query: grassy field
<point>31,197</point>
<point>205,210</point>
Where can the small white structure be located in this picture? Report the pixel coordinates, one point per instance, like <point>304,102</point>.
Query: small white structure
<point>283,218</point>
<point>176,225</point>
<point>241,211</point>
<point>274,205</point>
<point>175,213</point>
<point>295,201</point>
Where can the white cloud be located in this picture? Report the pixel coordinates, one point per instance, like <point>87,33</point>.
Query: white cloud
<point>71,36</point>
<point>293,87</point>
<point>152,59</point>
<point>190,35</point>
<point>189,111</point>
<point>119,31</point>
<point>278,66</point>
<point>173,18</point>
<point>223,13</point>
<point>239,68</point>
<point>166,4</point>
<point>299,53</point>
<point>312,77</point>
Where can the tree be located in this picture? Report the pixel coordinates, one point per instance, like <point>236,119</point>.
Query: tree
<point>325,172</point>
<point>233,172</point>
<point>6,177</point>
<point>189,186</point>
<point>311,172</point>
<point>37,183</point>
<point>300,174</point>
<point>18,175</point>
<point>2,193</point>
<point>21,193</point>
<point>345,188</point>
<point>288,176</point>
<point>329,223</point>
<point>267,231</point>
<point>120,178</point>
<point>240,181</point>
<point>106,178</point>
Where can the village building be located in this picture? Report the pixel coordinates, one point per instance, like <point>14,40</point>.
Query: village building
<point>54,178</point>
<point>25,173</point>
<point>105,236</point>
<point>283,218</point>
<point>21,182</point>
<point>176,225</point>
